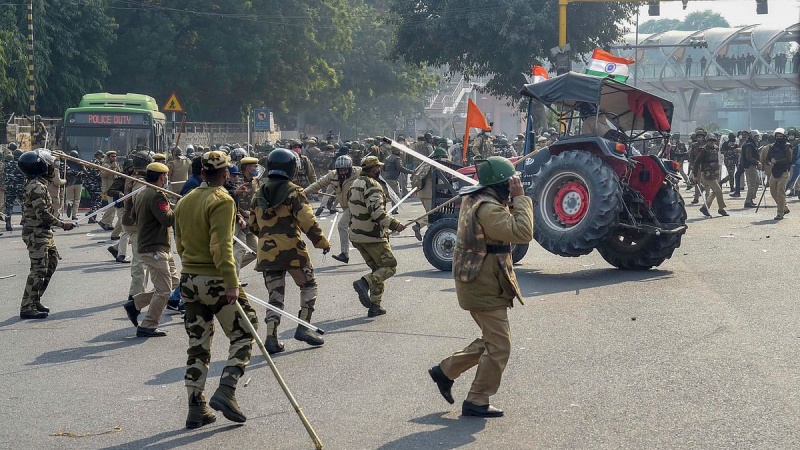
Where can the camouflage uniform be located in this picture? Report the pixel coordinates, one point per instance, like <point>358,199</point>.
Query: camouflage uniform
<point>280,214</point>
<point>730,151</point>
<point>482,146</point>
<point>106,180</point>
<point>244,203</point>
<point>37,220</point>
<point>14,184</point>
<point>93,185</point>
<point>305,174</point>
<point>368,232</point>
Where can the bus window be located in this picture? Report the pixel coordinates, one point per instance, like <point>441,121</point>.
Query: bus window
<point>88,140</point>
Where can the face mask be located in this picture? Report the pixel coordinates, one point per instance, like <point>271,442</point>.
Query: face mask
<point>256,172</point>
<point>502,190</point>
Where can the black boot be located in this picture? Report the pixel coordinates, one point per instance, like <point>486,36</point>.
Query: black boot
<point>199,414</point>
<point>442,382</point>
<point>41,308</point>
<point>271,343</point>
<point>8,224</point>
<point>417,233</point>
<point>32,314</point>
<point>224,401</point>
<point>341,258</point>
<point>362,289</point>
<point>375,310</point>
<point>69,210</point>
<point>304,334</point>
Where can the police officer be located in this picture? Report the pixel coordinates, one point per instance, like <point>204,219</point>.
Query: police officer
<point>369,223</point>
<point>678,153</point>
<point>75,174</point>
<point>210,288</point>
<point>139,272</point>
<point>393,170</point>
<point>777,160</point>
<point>706,168</point>
<point>519,144</point>
<point>107,179</point>
<point>485,282</point>
<point>281,214</point>
<point>305,173</point>
<point>730,153</point>
<point>93,184</point>
<point>341,178</point>
<point>749,163</point>
<point>698,141</point>
<point>38,218</point>
<point>423,180</point>
<point>249,169</point>
<point>179,168</point>
<point>154,218</point>
<point>14,182</point>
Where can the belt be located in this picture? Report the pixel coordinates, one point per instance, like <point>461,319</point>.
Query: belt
<point>498,249</point>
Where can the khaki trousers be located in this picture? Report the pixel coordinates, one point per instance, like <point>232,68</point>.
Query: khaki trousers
<point>342,226</point>
<point>490,353</point>
<point>751,174</point>
<point>164,276</point>
<point>108,215</point>
<point>124,236</point>
<point>777,189</point>
<point>74,198</point>
<point>712,185</point>
<point>139,272</point>
<point>427,203</point>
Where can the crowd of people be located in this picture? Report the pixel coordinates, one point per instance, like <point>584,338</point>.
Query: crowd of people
<point>225,207</point>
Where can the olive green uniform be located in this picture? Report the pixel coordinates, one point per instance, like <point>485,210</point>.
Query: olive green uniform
<point>706,168</point>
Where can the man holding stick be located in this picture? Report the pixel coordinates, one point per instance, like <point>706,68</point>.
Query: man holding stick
<point>204,222</point>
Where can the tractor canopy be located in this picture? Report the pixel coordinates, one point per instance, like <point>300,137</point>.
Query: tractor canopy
<point>628,107</point>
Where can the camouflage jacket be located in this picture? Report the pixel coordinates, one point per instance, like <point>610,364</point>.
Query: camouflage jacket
<point>305,173</point>
<point>15,179</point>
<point>92,180</point>
<point>75,173</point>
<point>484,278</point>
<point>37,206</point>
<point>341,186</point>
<point>280,215</point>
<point>368,218</point>
<point>731,152</point>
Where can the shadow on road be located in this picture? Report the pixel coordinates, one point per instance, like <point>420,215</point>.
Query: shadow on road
<point>172,439</point>
<point>429,273</point>
<point>59,315</point>
<point>176,374</point>
<point>455,433</point>
<point>86,352</point>
<point>539,284</point>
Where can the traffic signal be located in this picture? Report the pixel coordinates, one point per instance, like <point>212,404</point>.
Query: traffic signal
<point>653,9</point>
<point>685,3</point>
<point>762,7</point>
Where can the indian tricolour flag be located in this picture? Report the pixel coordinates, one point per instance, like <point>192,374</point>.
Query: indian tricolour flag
<point>538,74</point>
<point>605,64</point>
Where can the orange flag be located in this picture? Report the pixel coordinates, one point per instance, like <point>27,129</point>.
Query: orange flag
<point>539,74</point>
<point>475,119</point>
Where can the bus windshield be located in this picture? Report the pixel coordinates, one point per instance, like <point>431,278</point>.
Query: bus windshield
<point>87,140</point>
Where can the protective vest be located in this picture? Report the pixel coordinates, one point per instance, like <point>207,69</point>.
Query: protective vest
<point>782,158</point>
<point>471,244</point>
<point>709,163</point>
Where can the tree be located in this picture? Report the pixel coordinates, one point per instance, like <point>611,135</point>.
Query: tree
<point>501,38</point>
<point>698,20</point>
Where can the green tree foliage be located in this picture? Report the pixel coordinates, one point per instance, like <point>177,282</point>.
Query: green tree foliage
<point>502,38</point>
<point>70,45</point>
<point>697,20</point>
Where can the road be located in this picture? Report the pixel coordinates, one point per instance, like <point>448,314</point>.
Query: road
<point>701,352</point>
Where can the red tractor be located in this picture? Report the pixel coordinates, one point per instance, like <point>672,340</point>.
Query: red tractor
<point>592,188</point>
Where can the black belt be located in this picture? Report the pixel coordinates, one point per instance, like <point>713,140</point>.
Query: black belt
<point>498,249</point>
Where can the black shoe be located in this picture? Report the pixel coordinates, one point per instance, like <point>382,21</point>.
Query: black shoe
<point>786,211</point>
<point>417,233</point>
<point>319,210</point>
<point>705,212</point>
<point>8,224</point>
<point>471,409</point>
<point>750,205</point>
<point>132,312</point>
<point>244,285</point>
<point>375,310</point>
<point>722,212</point>
<point>362,288</point>
<point>32,314</point>
<point>114,252</point>
<point>149,332</point>
<point>303,334</point>
<point>341,258</point>
<point>92,220</point>
<point>41,308</point>
<point>121,259</point>
<point>69,210</point>
<point>102,225</point>
<point>114,238</point>
<point>175,305</point>
<point>735,195</point>
<point>695,201</point>
<point>442,382</point>
<point>333,211</point>
<point>779,217</point>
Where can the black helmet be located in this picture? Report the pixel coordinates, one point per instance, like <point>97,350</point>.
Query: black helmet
<point>12,146</point>
<point>16,153</point>
<point>428,136</point>
<point>141,160</point>
<point>37,162</point>
<point>281,163</point>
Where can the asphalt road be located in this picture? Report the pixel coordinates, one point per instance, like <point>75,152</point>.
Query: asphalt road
<point>701,352</point>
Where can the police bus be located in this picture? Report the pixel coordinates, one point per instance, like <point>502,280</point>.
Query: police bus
<point>120,122</point>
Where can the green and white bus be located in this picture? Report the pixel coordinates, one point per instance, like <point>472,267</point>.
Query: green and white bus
<point>120,122</point>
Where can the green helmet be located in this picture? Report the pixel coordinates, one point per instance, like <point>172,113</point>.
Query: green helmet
<point>439,152</point>
<point>494,170</point>
<point>699,131</point>
<point>791,130</point>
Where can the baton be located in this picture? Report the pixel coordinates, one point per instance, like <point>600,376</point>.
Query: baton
<point>456,197</point>
<point>762,193</point>
<point>284,314</point>
<point>89,216</point>
<point>251,329</point>
<point>403,199</point>
<point>239,241</point>
<point>430,161</point>
<point>330,233</point>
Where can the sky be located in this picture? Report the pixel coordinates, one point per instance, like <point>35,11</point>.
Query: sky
<point>736,12</point>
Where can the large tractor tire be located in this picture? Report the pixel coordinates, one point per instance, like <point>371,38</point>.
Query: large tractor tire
<point>577,199</point>
<point>518,252</point>
<point>632,250</point>
<point>440,242</point>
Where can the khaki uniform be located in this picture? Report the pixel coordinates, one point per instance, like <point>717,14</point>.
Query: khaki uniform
<point>486,285</point>
<point>106,180</point>
<point>179,169</point>
<point>56,188</point>
<point>242,257</point>
<point>706,168</point>
<point>694,148</point>
<point>154,217</point>
<point>423,179</point>
<point>139,272</point>
<point>207,215</point>
<point>341,186</point>
<point>778,173</point>
<point>37,219</point>
<point>281,214</point>
<point>75,174</point>
<point>369,225</point>
<point>750,160</point>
